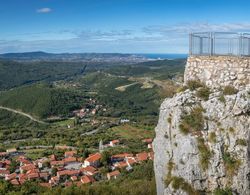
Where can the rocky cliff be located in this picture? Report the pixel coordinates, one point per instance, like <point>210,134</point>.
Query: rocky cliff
<point>202,145</point>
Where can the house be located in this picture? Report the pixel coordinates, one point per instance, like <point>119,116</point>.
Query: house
<point>69,160</point>
<point>73,178</point>
<point>148,140</point>
<point>151,155</point>
<point>89,170</point>
<point>87,179</point>
<point>3,154</point>
<point>54,180</point>
<point>70,154</point>
<point>11,150</point>
<point>4,172</point>
<point>15,182</point>
<point>142,156</point>
<point>93,160</point>
<point>124,121</point>
<point>52,157</point>
<point>114,143</point>
<point>113,175</point>
<point>44,175</point>
<point>32,176</point>
<point>26,168</point>
<point>56,163</point>
<point>10,176</point>
<point>120,165</point>
<point>120,157</point>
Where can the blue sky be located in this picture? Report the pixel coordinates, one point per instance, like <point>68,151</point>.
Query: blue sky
<point>126,26</point>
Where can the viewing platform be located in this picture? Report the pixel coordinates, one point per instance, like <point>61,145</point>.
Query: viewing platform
<point>219,59</point>
<point>219,44</point>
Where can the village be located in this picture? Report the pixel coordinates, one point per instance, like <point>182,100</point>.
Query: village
<point>71,168</point>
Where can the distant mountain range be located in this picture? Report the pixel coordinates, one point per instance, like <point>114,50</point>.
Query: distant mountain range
<point>77,57</point>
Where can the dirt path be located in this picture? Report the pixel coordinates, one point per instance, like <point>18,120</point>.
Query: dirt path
<point>22,113</point>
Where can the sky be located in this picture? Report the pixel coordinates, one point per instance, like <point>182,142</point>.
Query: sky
<point>121,26</point>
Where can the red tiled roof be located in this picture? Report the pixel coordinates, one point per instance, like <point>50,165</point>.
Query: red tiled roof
<point>52,157</point>
<point>87,179</point>
<point>149,140</point>
<point>4,172</point>
<point>70,159</point>
<point>32,171</point>
<point>3,153</point>
<point>124,155</point>
<point>14,182</point>
<point>44,174</point>
<point>57,163</point>
<point>28,167</point>
<point>94,157</point>
<point>131,161</point>
<point>114,173</point>
<point>142,156</point>
<point>11,176</point>
<point>33,176</point>
<point>89,169</point>
<point>116,141</point>
<point>121,164</point>
<point>70,153</point>
<point>73,178</point>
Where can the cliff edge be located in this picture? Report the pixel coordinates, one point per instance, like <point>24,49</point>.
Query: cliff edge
<point>202,143</point>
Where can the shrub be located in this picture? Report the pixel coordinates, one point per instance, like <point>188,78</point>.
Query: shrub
<point>194,84</point>
<point>203,93</point>
<point>229,90</point>
<point>204,153</point>
<point>231,130</point>
<point>212,137</point>
<point>226,191</point>
<point>194,121</point>
<point>168,178</point>
<point>231,164</point>
<point>180,183</point>
<point>222,99</point>
<point>241,142</point>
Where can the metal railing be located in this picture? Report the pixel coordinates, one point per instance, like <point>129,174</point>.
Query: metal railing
<point>219,44</point>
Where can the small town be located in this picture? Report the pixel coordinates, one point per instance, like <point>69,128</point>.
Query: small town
<point>70,169</point>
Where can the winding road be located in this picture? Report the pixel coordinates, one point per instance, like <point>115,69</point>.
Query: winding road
<point>23,114</point>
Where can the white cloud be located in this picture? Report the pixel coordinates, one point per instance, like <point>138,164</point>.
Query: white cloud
<point>44,10</point>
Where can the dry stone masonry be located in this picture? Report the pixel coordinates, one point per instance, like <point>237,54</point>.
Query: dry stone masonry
<point>216,71</point>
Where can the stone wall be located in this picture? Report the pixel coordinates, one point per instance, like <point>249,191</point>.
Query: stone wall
<point>216,71</point>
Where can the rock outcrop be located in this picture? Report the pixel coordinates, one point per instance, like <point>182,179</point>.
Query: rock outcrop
<point>203,145</point>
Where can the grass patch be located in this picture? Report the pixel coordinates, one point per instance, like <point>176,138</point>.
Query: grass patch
<point>212,137</point>
<point>226,191</point>
<point>203,93</point>
<point>194,121</point>
<point>179,183</point>
<point>229,90</point>
<point>241,142</point>
<point>204,153</point>
<point>222,99</point>
<point>194,84</point>
<point>131,132</point>
<point>231,163</point>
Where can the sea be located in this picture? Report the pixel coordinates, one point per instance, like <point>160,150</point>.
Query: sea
<point>164,56</point>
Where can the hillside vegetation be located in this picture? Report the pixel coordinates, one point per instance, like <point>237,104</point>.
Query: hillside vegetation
<point>13,74</point>
<point>42,100</point>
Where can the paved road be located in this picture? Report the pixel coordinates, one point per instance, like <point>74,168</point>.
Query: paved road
<point>22,113</point>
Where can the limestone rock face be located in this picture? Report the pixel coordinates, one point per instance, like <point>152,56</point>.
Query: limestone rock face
<point>225,134</point>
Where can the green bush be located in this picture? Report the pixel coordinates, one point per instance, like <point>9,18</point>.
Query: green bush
<point>194,84</point>
<point>212,137</point>
<point>180,183</point>
<point>204,153</point>
<point>226,191</point>
<point>203,93</point>
<point>229,90</point>
<point>231,163</point>
<point>241,142</point>
<point>194,121</point>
